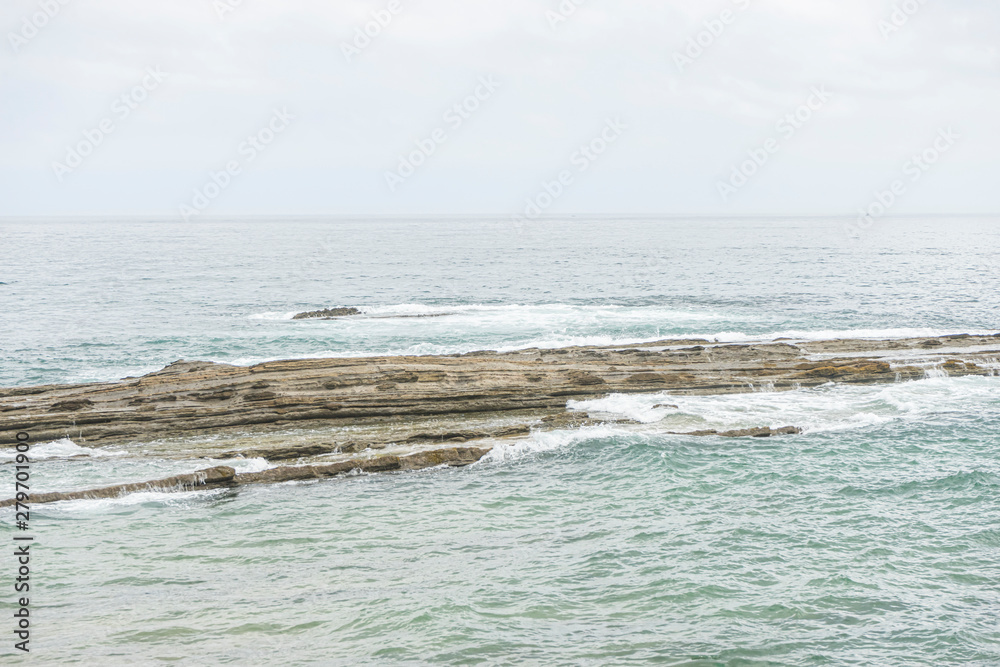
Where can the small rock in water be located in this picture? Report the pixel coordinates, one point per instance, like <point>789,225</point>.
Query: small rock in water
<point>762,432</point>
<point>327,312</point>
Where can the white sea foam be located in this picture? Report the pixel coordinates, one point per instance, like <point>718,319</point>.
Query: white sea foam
<point>827,408</point>
<point>838,334</point>
<point>540,442</point>
<point>409,310</point>
<point>510,312</point>
<point>245,465</point>
<point>509,328</point>
<point>168,498</point>
<point>513,315</point>
<point>60,449</point>
<point>273,316</point>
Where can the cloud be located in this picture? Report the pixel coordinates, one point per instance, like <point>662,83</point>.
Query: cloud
<point>559,84</point>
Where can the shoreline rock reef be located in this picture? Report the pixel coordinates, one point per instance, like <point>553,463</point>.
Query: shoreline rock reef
<point>391,408</point>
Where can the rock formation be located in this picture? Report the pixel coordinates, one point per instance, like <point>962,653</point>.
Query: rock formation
<point>224,476</point>
<point>201,398</point>
<point>390,411</point>
<point>327,313</point>
<point>210,478</point>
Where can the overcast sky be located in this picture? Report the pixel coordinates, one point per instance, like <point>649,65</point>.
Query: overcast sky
<point>670,120</point>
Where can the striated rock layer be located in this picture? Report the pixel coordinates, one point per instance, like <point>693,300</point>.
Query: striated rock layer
<point>337,416</point>
<point>226,477</point>
<point>199,398</point>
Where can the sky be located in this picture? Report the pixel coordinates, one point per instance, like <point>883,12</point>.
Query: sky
<point>192,109</point>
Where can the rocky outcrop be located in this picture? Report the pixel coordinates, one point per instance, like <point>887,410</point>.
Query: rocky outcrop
<point>223,476</point>
<point>453,457</point>
<point>406,413</point>
<point>203,479</point>
<point>327,313</point>
<point>524,387</point>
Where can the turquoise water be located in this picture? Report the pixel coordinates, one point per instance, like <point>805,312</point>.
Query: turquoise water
<point>872,538</point>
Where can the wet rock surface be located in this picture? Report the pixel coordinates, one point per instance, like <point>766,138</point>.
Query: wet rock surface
<point>336,416</point>
<point>203,479</point>
<point>226,477</point>
<point>191,398</point>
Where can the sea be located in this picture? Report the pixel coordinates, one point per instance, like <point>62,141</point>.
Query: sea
<point>873,538</point>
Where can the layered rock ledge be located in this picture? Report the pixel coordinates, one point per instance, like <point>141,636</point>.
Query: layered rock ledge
<point>330,417</point>
<point>508,393</point>
<point>227,477</point>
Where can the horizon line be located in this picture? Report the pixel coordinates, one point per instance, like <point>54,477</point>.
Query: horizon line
<point>333,217</point>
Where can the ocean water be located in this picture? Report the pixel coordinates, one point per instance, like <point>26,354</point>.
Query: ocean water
<point>872,538</point>
<point>98,301</point>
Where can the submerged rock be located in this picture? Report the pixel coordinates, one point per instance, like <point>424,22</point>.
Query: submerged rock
<point>327,312</point>
<point>761,432</point>
<point>209,478</point>
<point>224,476</point>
